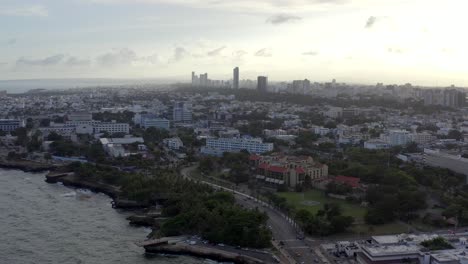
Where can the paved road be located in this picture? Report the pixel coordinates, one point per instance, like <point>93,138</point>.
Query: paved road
<point>295,250</point>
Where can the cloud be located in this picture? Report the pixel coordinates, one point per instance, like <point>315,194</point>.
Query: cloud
<point>179,54</point>
<point>24,11</point>
<point>76,62</point>
<point>310,53</point>
<point>117,58</point>
<point>48,61</point>
<point>263,53</point>
<point>371,22</point>
<point>264,6</point>
<point>11,41</point>
<point>282,19</point>
<point>395,50</point>
<point>239,53</point>
<point>215,52</point>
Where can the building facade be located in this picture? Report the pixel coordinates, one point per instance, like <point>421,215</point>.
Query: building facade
<point>9,125</point>
<point>262,84</point>
<point>235,78</point>
<point>217,146</point>
<point>288,170</point>
<point>182,112</point>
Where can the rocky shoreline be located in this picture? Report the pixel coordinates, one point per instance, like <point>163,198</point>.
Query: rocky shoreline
<point>26,166</point>
<point>202,252</point>
<point>69,179</point>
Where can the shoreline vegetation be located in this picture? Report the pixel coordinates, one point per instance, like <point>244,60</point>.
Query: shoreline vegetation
<point>171,206</point>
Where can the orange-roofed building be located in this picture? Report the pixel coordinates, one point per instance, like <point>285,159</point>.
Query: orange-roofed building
<point>290,170</point>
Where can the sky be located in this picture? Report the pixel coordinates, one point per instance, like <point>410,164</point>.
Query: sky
<point>423,42</point>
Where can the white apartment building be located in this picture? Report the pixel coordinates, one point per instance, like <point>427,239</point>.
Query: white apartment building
<point>152,121</point>
<point>376,144</point>
<point>112,127</point>
<point>422,138</point>
<point>273,133</point>
<point>173,143</point>
<point>10,124</point>
<point>182,112</point>
<point>86,127</point>
<point>398,137</point>
<point>221,145</point>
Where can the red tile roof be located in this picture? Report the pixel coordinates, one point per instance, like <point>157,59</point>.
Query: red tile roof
<point>350,181</point>
<point>254,157</point>
<point>300,170</point>
<point>263,166</point>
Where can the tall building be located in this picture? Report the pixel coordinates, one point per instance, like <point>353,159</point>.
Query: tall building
<point>204,79</point>
<point>447,97</point>
<point>182,112</point>
<point>195,80</point>
<point>300,86</point>
<point>262,84</point>
<point>235,79</point>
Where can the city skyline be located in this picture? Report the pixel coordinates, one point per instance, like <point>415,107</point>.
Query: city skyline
<point>352,41</point>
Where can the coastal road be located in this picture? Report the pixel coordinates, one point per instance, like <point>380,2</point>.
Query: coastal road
<point>284,234</point>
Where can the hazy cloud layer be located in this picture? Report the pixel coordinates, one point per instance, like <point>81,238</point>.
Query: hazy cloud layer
<point>215,52</point>
<point>395,50</point>
<point>48,61</point>
<point>117,57</point>
<point>76,62</point>
<point>263,53</point>
<point>310,53</point>
<point>371,22</point>
<point>240,5</point>
<point>24,11</point>
<point>179,54</point>
<point>282,18</point>
<point>11,41</point>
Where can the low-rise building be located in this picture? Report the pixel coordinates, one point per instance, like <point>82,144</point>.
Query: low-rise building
<point>9,125</point>
<point>121,147</point>
<point>147,120</point>
<point>376,144</point>
<point>173,143</point>
<point>289,170</point>
<point>217,146</point>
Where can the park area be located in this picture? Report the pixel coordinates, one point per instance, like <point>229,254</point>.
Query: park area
<point>313,200</point>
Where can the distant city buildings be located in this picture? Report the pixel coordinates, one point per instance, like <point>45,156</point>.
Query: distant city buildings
<point>444,97</point>
<point>300,86</point>
<point>262,84</point>
<point>235,78</point>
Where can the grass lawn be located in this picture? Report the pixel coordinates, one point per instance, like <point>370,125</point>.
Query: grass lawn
<point>297,200</point>
<point>351,209</point>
